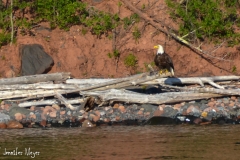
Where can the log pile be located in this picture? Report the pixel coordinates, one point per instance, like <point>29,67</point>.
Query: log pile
<point>47,89</point>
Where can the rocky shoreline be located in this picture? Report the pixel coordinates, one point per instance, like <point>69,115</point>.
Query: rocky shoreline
<point>212,111</point>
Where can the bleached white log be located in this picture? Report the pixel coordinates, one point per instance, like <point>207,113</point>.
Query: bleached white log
<point>171,81</point>
<point>35,78</point>
<point>38,86</point>
<point>49,102</point>
<point>64,101</point>
<point>28,93</point>
<point>207,90</point>
<point>133,81</point>
<point>132,97</point>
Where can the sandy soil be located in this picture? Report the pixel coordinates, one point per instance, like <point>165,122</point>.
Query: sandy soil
<point>87,56</point>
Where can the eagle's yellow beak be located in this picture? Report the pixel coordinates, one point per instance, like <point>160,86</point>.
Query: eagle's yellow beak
<point>156,47</point>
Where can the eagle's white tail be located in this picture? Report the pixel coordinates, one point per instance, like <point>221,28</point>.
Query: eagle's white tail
<point>172,71</point>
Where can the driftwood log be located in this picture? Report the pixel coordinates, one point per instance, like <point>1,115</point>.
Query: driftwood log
<point>133,97</point>
<point>110,89</point>
<point>50,102</point>
<point>171,81</point>
<point>35,78</point>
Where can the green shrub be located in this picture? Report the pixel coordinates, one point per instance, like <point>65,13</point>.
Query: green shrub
<point>5,38</point>
<point>127,21</point>
<point>136,34</point>
<point>115,54</point>
<point>59,13</point>
<point>234,69</point>
<point>130,60</point>
<point>212,19</point>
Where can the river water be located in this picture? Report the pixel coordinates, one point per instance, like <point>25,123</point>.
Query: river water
<point>123,142</point>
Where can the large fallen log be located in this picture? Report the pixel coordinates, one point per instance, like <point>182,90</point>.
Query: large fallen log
<point>171,81</point>
<point>35,78</point>
<point>133,80</point>
<point>133,97</point>
<point>64,101</point>
<point>36,86</point>
<point>207,90</point>
<point>50,102</point>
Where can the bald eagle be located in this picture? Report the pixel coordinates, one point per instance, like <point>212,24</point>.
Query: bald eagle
<point>163,61</point>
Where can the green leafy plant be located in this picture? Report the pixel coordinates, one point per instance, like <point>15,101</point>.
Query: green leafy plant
<point>127,21</point>
<point>3,58</point>
<point>110,55</point>
<point>212,19</point>
<point>5,38</point>
<point>130,60</point>
<point>115,54</point>
<point>136,34</point>
<point>234,69</point>
<point>119,4</point>
<point>84,31</point>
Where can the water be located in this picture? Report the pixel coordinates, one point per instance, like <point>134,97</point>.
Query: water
<point>124,142</point>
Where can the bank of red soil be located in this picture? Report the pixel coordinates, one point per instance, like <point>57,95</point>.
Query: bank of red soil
<point>87,56</point>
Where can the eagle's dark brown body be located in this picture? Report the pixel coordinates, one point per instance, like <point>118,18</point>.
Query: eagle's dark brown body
<point>163,61</point>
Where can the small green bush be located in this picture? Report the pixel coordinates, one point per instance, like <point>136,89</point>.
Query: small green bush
<point>127,21</point>
<point>212,19</point>
<point>234,69</point>
<point>5,38</point>
<point>130,60</point>
<point>136,34</point>
<point>115,54</point>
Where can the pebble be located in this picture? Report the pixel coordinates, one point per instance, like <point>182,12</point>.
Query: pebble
<point>62,112</point>
<point>4,117</point>
<point>3,125</point>
<point>140,112</point>
<point>32,108</point>
<point>211,104</point>
<point>14,125</point>
<point>157,112</point>
<point>225,100</point>
<point>204,114</point>
<point>18,116</point>
<point>43,123</point>
<point>94,117</point>
<point>32,115</point>
<point>86,123</point>
<point>48,109</point>
<point>116,105</point>
<point>177,106</point>
<point>122,108</point>
<point>197,121</point>
<point>53,114</point>
<point>56,107</point>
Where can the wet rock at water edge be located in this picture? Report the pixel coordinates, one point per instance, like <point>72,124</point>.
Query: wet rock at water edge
<point>4,118</point>
<point>14,125</point>
<point>3,125</point>
<point>159,120</point>
<point>86,124</point>
<point>15,110</point>
<point>149,107</point>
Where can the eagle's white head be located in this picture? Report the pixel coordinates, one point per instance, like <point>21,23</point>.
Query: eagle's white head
<point>160,49</point>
